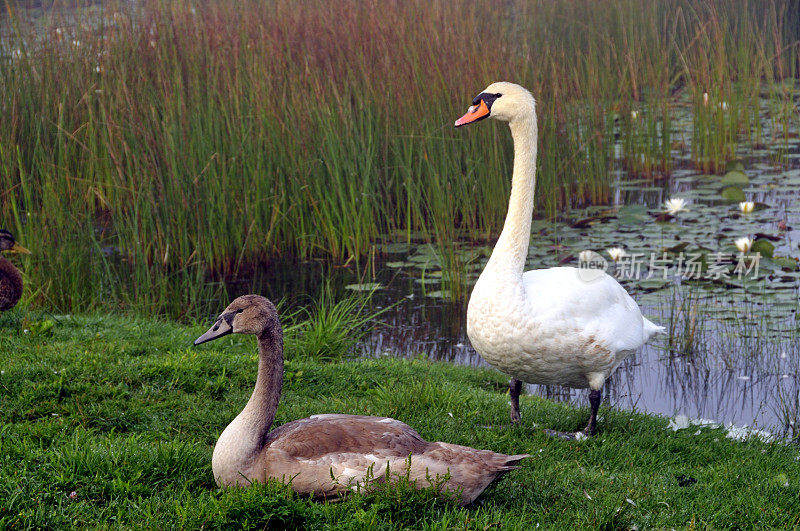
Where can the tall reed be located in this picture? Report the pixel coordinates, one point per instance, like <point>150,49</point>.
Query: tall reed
<point>144,144</point>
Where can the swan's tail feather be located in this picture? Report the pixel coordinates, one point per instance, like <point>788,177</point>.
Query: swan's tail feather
<point>651,329</point>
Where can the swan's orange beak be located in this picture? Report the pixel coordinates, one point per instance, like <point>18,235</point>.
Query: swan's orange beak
<point>474,113</point>
<point>17,248</point>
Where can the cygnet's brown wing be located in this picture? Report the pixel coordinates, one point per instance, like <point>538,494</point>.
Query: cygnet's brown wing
<point>320,435</point>
<point>326,454</point>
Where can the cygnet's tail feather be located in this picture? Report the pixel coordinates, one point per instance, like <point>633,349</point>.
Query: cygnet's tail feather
<point>512,461</point>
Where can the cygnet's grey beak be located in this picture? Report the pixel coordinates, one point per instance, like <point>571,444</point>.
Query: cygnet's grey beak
<point>222,327</point>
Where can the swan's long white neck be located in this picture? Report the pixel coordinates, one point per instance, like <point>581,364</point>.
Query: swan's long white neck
<point>512,247</point>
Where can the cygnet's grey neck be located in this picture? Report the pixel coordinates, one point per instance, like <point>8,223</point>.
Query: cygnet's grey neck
<point>260,409</point>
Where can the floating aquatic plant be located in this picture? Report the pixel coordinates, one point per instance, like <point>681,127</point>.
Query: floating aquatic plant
<point>744,244</point>
<point>674,205</point>
<point>616,253</point>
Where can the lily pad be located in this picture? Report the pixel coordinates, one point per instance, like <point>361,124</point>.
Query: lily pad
<point>733,193</point>
<point>734,165</point>
<point>586,222</point>
<point>367,286</point>
<point>539,225</point>
<point>393,248</point>
<point>439,294</point>
<point>735,178</point>
<point>785,262</point>
<point>652,284</point>
<point>764,247</point>
<point>677,248</point>
<point>633,215</point>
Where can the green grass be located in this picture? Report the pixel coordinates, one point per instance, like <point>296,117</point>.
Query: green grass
<point>179,139</point>
<point>124,413</point>
<point>329,329</point>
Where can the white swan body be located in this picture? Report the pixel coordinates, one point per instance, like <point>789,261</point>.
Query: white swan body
<point>550,326</point>
<point>547,326</point>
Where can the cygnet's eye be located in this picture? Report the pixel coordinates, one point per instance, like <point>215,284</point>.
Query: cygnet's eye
<point>240,310</point>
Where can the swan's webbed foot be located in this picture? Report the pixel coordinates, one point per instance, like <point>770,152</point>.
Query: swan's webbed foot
<point>514,388</point>
<point>590,430</point>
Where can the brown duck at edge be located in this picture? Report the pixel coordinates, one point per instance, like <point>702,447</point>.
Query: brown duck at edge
<point>327,455</point>
<point>10,277</point>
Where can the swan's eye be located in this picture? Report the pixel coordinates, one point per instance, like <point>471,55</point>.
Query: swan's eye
<point>240,310</point>
<point>486,97</point>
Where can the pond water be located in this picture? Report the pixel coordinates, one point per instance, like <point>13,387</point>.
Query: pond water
<point>732,353</point>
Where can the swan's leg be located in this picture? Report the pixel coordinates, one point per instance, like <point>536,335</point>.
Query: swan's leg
<point>514,387</point>
<point>595,397</point>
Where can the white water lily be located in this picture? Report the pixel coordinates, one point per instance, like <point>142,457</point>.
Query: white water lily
<point>586,256</point>
<point>747,206</point>
<point>616,253</point>
<point>76,43</point>
<point>705,99</point>
<point>744,244</point>
<point>16,54</point>
<point>674,205</point>
<point>634,114</point>
<point>724,106</point>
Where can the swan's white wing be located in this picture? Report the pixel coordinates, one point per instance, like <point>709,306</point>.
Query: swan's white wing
<point>562,297</point>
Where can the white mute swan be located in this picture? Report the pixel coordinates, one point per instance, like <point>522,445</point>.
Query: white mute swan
<point>546,326</point>
<point>327,455</point>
